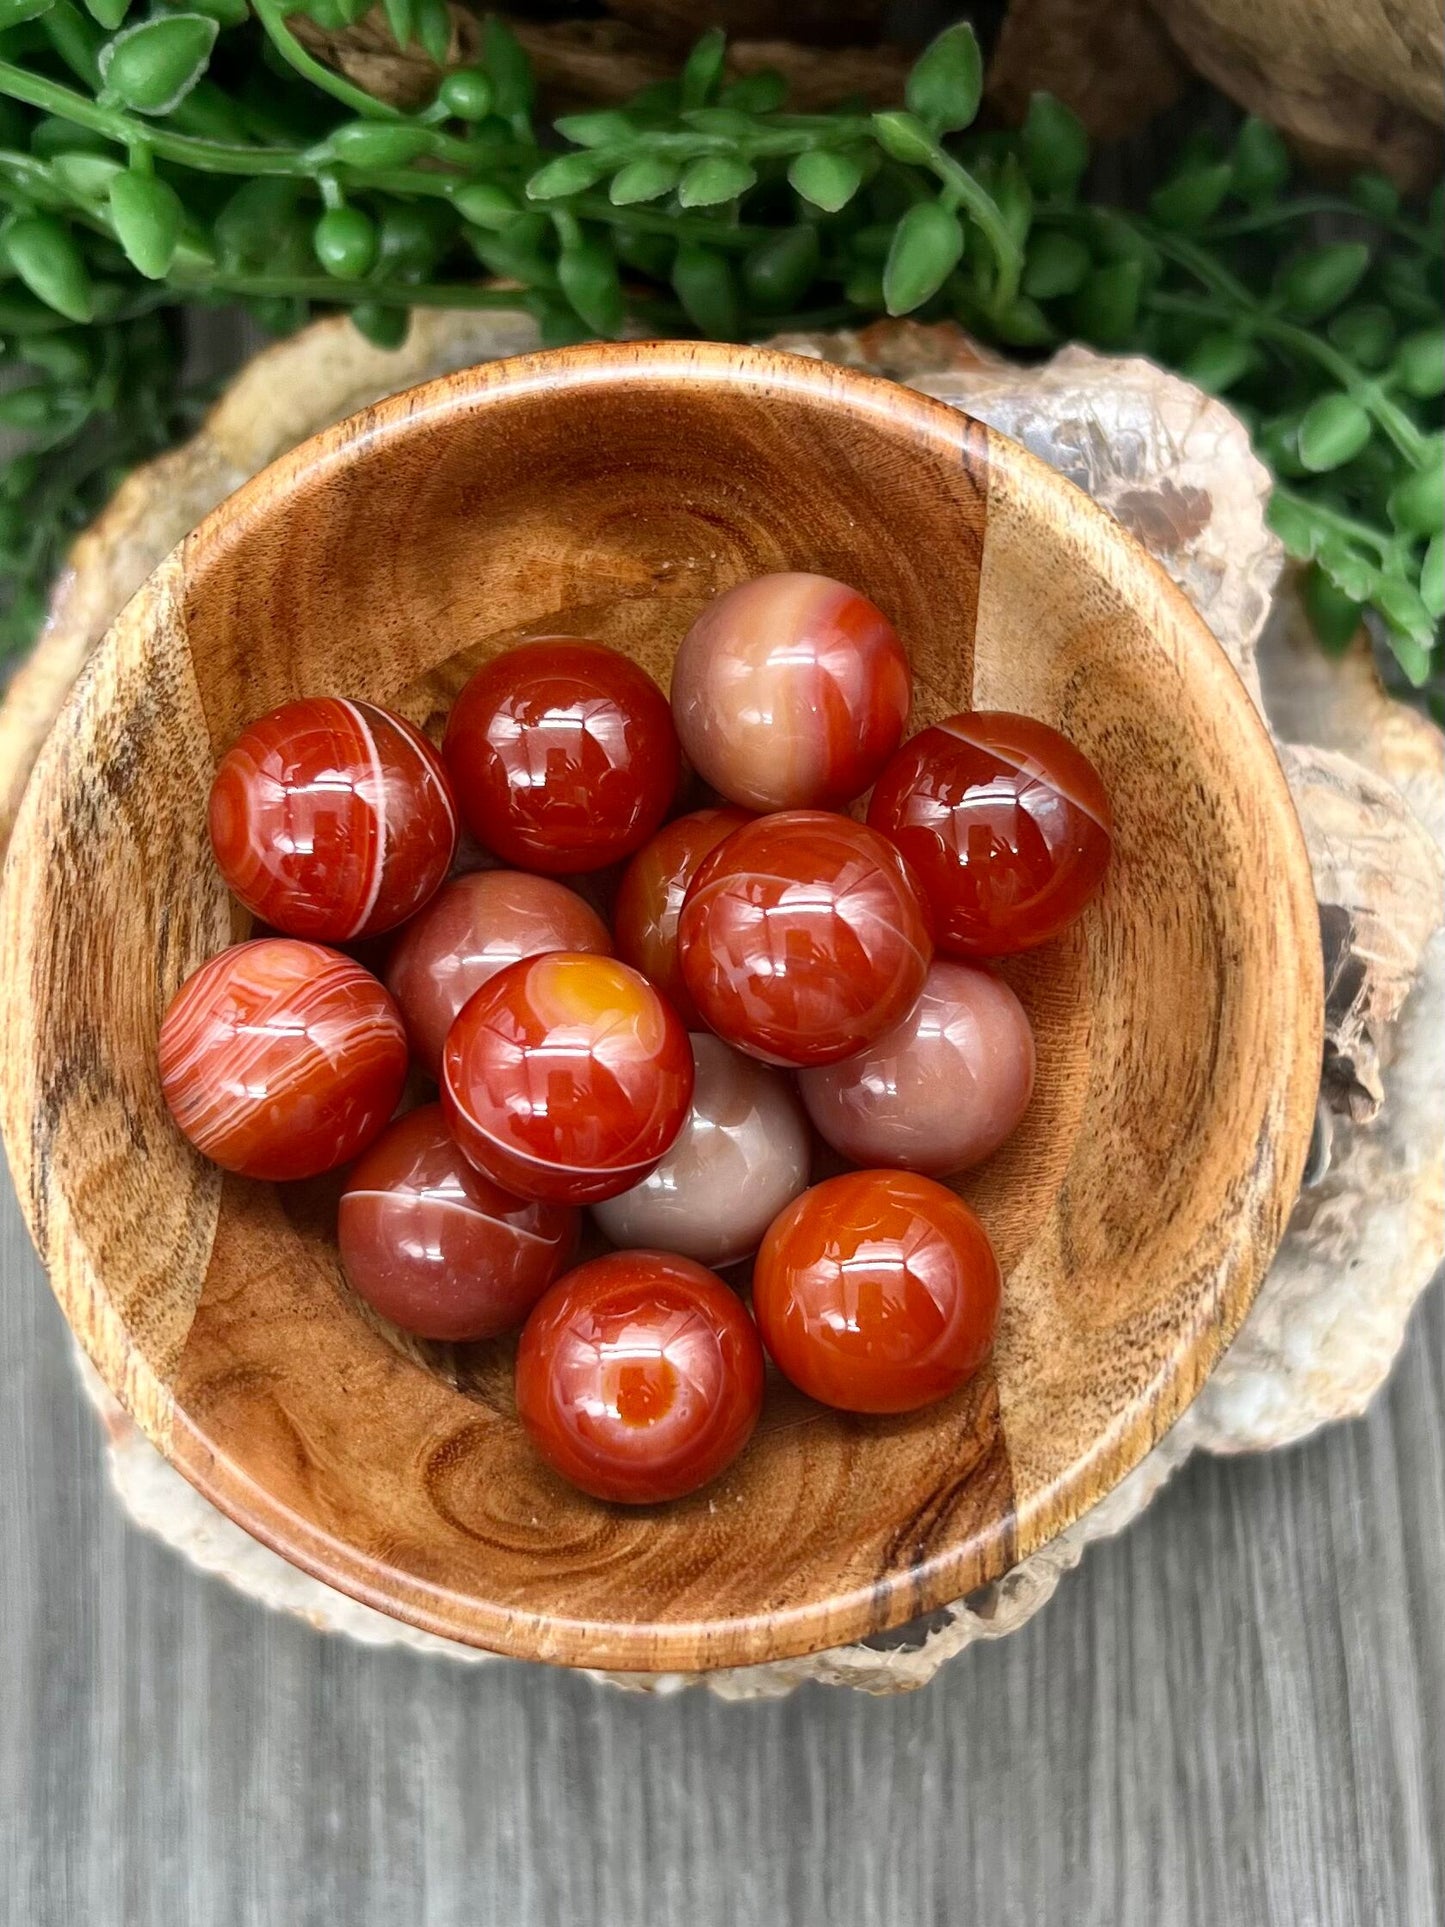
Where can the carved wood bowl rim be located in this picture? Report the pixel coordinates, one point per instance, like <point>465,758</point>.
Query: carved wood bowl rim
<point>921,1574</point>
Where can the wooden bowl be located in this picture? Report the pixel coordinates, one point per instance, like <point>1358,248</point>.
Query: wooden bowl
<point>610,491</point>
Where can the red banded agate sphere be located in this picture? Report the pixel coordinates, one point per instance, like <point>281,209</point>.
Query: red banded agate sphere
<point>940,1090</point>
<point>475,926</point>
<point>791,692</point>
<point>803,937</point>
<point>566,1077</point>
<point>435,1246</point>
<point>563,754</point>
<point>649,899</point>
<point>877,1291</point>
<point>639,1377</point>
<point>332,819</point>
<point>281,1059</point>
<point>1005,824</point>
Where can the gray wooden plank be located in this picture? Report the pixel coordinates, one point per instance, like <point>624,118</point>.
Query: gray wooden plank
<point>1231,1715</point>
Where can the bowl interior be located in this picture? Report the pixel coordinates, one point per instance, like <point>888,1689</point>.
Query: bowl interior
<point>610,492</point>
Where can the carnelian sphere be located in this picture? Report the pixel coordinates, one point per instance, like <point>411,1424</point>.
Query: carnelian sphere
<point>802,937</point>
<point>566,1077</point>
<point>791,692</point>
<point>281,1059</point>
<point>1006,825</point>
<point>940,1090</point>
<point>639,1377</point>
<point>563,755</point>
<point>741,1155</point>
<point>877,1291</point>
<point>332,819</point>
<point>435,1246</point>
<point>475,926</point>
<point>649,899</point>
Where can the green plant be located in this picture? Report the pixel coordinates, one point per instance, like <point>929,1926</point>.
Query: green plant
<point>206,156</point>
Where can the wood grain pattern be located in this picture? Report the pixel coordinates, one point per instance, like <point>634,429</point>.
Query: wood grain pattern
<point>612,491</point>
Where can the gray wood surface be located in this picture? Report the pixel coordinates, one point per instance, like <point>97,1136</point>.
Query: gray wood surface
<point>1231,1717</point>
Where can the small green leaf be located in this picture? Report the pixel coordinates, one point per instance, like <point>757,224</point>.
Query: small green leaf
<point>927,247</point>
<point>760,93</point>
<point>1217,361</point>
<point>703,283</point>
<point>1352,573</point>
<point>1400,603</point>
<point>825,179</point>
<point>587,272</point>
<point>153,66</point>
<point>645,179</point>
<point>486,205</point>
<point>1055,146</point>
<point>1191,197</point>
<point>87,176</point>
<point>779,271</point>
<point>107,13</point>
<point>1376,193</point>
<point>1023,324</point>
<point>713,180</point>
<point>14,13</point>
<point>513,86</point>
<point>1056,264</point>
<point>1432,577</point>
<point>605,127</point>
<point>375,144</point>
<point>1335,618</point>
<point>1107,306</point>
<point>382,326</point>
<point>1333,431</point>
<point>467,95</point>
<point>401,19</point>
<point>1294,525</point>
<point>903,137</point>
<point>945,84</point>
<point>345,241</point>
<point>147,216</point>
<point>1260,166</point>
<point>1419,365</point>
<point>1316,283</point>
<point>703,69</point>
<point>43,252</point>
<point>1417,504</point>
<point>568,174</point>
<point>726,121</point>
<point>1365,332</point>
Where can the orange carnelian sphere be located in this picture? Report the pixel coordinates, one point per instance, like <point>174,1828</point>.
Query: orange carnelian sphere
<point>566,1077</point>
<point>332,819</point>
<point>435,1246</point>
<point>791,692</point>
<point>802,937</point>
<point>649,899</point>
<point>1006,825</point>
<point>563,754</point>
<point>877,1291</point>
<point>639,1377</point>
<point>281,1059</point>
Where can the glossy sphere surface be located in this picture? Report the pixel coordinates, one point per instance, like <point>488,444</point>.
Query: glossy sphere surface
<point>877,1291</point>
<point>332,819</point>
<point>940,1090</point>
<point>563,755</point>
<point>1006,825</point>
<point>639,1377</point>
<point>739,1158</point>
<point>649,899</point>
<point>791,692</point>
<point>475,926</point>
<point>436,1247</point>
<point>566,1077</point>
<point>281,1059</point>
<point>803,937</point>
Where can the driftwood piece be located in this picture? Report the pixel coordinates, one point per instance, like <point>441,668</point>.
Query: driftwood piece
<point>1110,60</point>
<point>1368,776</point>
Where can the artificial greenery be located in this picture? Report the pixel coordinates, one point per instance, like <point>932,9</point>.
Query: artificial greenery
<point>206,156</point>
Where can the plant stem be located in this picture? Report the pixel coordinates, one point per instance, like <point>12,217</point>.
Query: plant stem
<point>273,22</point>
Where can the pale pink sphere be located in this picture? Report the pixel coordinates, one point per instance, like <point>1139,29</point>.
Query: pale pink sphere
<point>475,926</point>
<point>791,692</point>
<point>940,1090</point>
